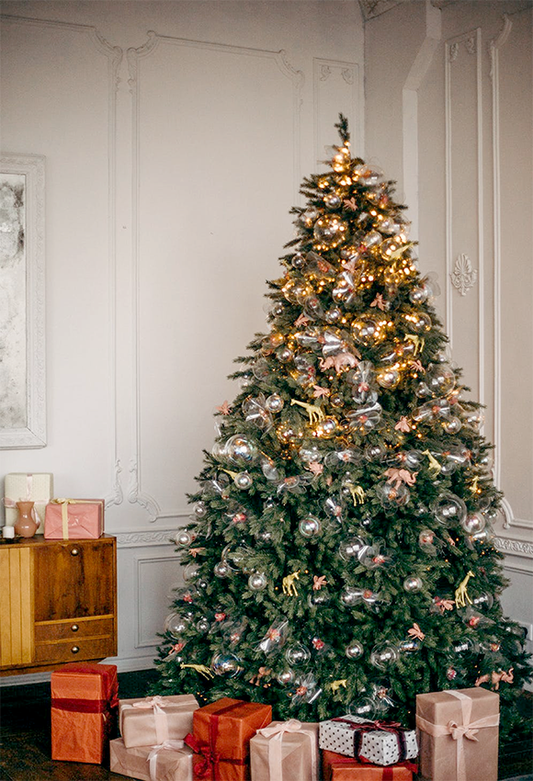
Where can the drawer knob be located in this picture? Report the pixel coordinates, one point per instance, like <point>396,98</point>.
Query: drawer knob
<point>74,627</point>
<point>75,552</point>
<point>75,649</point>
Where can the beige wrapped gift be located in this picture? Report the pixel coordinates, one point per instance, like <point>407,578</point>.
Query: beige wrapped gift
<point>285,751</point>
<point>167,762</point>
<point>458,732</point>
<point>153,720</point>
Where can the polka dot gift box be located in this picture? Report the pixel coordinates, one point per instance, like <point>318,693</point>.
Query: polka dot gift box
<point>376,742</point>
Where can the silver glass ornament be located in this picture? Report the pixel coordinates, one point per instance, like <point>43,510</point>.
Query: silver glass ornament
<point>309,527</point>
<point>412,584</point>
<point>286,677</point>
<point>449,508</point>
<point>257,581</point>
<point>274,403</point>
<point>354,650</point>
<point>175,625</point>
<point>221,570</point>
<point>243,481</point>
<point>474,523</point>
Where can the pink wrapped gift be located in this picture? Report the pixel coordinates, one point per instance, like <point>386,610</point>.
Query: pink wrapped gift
<point>34,487</point>
<point>167,762</point>
<point>74,519</point>
<point>285,751</point>
<point>154,720</point>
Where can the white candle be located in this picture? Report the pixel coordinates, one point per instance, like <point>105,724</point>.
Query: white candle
<point>8,532</point>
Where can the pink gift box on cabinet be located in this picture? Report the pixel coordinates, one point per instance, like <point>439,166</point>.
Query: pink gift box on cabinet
<point>74,519</point>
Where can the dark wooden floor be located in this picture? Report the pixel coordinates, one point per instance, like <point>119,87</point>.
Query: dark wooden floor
<point>25,732</point>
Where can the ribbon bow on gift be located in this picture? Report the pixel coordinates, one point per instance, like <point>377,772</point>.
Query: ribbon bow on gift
<point>468,729</point>
<point>157,704</point>
<point>167,745</point>
<point>275,735</point>
<point>209,759</point>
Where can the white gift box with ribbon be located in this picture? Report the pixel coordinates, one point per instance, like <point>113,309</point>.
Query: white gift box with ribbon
<point>37,487</point>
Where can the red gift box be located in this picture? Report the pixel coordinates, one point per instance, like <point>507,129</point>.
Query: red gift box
<point>337,767</point>
<point>84,709</point>
<point>74,519</point>
<point>221,739</point>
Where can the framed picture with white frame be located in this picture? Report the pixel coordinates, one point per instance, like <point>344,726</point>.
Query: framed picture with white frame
<point>22,302</point>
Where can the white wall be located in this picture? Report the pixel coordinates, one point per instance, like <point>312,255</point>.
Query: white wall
<point>449,114</point>
<point>175,135</point>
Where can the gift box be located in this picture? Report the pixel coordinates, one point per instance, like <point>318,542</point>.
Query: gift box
<point>458,732</point>
<point>285,751</point>
<point>372,741</point>
<point>27,487</point>
<point>154,720</point>
<point>337,767</point>
<point>74,519</point>
<point>84,709</point>
<point>171,761</point>
<point>221,738</point>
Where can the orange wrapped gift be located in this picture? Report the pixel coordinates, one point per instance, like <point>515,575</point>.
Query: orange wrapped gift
<point>337,767</point>
<point>84,707</point>
<point>74,519</point>
<point>221,739</point>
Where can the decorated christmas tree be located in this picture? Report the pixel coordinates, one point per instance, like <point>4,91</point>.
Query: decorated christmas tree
<point>339,556</point>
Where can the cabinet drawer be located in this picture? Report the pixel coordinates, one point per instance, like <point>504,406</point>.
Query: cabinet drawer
<point>72,650</point>
<point>73,628</point>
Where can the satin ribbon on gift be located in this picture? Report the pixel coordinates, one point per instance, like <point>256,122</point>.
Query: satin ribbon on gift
<point>166,745</point>
<point>458,732</point>
<point>64,510</point>
<point>275,736</point>
<point>157,704</point>
<point>393,727</point>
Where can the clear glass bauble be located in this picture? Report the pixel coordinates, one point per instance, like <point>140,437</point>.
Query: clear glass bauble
<point>449,508</point>
<point>330,231</point>
<point>175,625</point>
<point>297,655</point>
<point>351,548</point>
<point>383,656</point>
<point>226,665</point>
<point>309,527</point>
<point>241,450</point>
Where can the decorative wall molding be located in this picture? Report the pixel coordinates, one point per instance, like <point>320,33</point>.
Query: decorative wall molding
<point>514,547</point>
<point>136,494</point>
<point>351,76</point>
<point>142,639</point>
<point>114,55</point>
<point>471,41</point>
<point>143,538</point>
<point>415,79</point>
<point>463,276</point>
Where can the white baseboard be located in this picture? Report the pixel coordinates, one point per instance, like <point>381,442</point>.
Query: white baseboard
<point>123,666</point>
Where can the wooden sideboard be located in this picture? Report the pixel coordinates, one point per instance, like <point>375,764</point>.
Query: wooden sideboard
<point>58,603</point>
